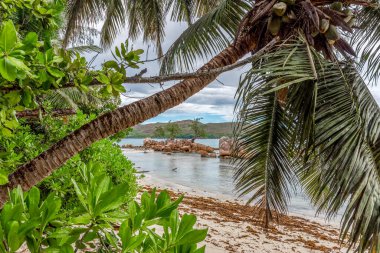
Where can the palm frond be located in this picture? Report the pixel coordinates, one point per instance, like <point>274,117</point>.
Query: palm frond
<point>147,17</point>
<point>347,138</point>
<point>367,42</point>
<point>208,35</point>
<point>188,10</point>
<point>332,126</point>
<point>182,11</point>
<point>74,99</point>
<point>265,130</point>
<point>115,20</point>
<point>266,170</point>
<point>80,14</point>
<point>85,49</point>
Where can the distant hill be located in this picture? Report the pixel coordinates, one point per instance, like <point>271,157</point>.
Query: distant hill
<point>213,130</point>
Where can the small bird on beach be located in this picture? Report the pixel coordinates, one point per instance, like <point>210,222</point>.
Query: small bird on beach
<point>175,169</point>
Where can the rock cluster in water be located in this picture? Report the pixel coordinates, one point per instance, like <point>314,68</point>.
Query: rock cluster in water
<point>183,146</point>
<point>188,146</point>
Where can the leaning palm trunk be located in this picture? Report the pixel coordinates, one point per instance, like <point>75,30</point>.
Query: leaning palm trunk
<point>108,124</point>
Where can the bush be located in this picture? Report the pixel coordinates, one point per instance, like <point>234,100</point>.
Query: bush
<point>152,226</point>
<point>32,138</point>
<point>110,159</point>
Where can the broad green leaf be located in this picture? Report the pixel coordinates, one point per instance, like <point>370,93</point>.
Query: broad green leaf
<point>186,225</point>
<point>19,64</point>
<point>90,236</point>
<point>112,199</point>
<point>139,51</point>
<point>30,41</point>
<point>27,98</point>
<point>125,232</point>
<point>103,78</point>
<point>33,201</point>
<point>13,98</point>
<point>4,175</point>
<point>6,132</point>
<point>134,242</point>
<point>7,69</point>
<point>112,64</point>
<point>194,236</point>
<point>14,238</point>
<point>8,36</point>
<point>55,72</point>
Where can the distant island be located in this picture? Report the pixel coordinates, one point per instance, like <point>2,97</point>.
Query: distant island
<point>211,130</point>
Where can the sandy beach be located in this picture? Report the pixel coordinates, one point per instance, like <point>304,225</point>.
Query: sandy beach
<point>234,228</point>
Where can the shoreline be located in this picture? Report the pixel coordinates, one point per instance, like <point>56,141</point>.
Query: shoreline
<point>233,228</point>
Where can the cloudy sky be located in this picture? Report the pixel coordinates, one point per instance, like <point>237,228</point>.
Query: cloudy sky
<point>215,103</point>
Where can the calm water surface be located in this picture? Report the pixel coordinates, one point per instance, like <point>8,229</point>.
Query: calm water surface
<point>212,175</point>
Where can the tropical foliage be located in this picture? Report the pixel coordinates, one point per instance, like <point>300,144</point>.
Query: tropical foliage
<point>31,65</point>
<point>30,219</point>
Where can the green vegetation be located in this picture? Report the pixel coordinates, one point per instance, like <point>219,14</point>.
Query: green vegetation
<point>101,205</point>
<point>198,128</point>
<point>159,132</point>
<point>79,205</point>
<point>172,130</point>
<point>211,130</point>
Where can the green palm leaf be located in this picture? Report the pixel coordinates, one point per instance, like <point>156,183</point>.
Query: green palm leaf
<point>265,133</point>
<point>79,15</point>
<point>147,18</point>
<point>366,39</point>
<point>266,172</point>
<point>329,122</point>
<point>114,22</point>
<point>208,35</point>
<point>347,138</point>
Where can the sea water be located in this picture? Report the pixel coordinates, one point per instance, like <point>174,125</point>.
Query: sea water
<point>211,175</point>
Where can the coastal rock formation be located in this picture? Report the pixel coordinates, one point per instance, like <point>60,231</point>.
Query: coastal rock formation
<point>225,146</point>
<point>184,146</point>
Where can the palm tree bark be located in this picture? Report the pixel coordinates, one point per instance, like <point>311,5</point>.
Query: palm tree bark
<point>110,123</point>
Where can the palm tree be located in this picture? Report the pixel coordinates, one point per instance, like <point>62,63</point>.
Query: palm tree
<point>304,111</point>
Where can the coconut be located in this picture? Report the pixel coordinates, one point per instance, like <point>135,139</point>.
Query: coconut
<point>324,25</point>
<point>332,34</point>
<point>349,15</point>
<point>352,22</point>
<point>337,6</point>
<point>279,8</point>
<point>274,25</point>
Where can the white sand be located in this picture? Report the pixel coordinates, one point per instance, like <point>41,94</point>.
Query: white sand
<point>237,233</point>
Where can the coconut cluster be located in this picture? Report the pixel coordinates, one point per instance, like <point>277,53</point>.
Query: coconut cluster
<point>322,25</point>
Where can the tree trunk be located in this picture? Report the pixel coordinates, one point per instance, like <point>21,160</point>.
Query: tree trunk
<point>110,123</point>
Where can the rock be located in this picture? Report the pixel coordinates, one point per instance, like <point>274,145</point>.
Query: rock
<point>203,153</point>
<point>212,155</point>
<point>186,148</point>
<point>172,146</point>
<point>225,146</point>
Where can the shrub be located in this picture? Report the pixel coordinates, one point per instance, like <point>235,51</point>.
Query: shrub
<point>37,221</point>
